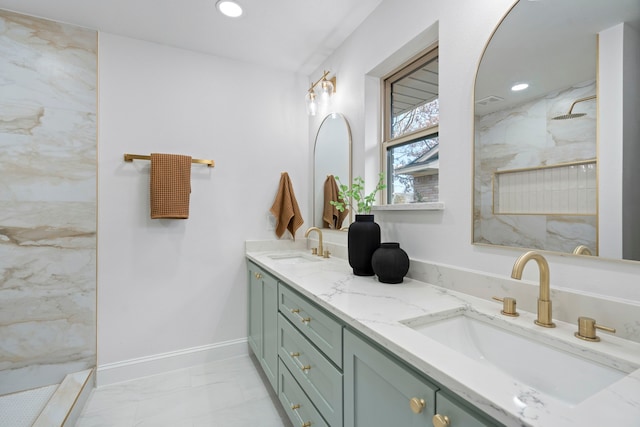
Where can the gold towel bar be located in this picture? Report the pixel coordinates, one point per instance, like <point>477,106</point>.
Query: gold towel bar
<point>132,157</point>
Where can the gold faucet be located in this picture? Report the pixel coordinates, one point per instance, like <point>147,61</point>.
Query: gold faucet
<point>544,299</point>
<point>306,234</point>
<point>582,250</point>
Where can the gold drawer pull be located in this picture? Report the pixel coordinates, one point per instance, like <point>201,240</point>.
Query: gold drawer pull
<point>417,405</point>
<point>307,424</point>
<point>296,406</point>
<point>296,311</point>
<point>441,421</point>
<point>304,368</point>
<point>258,276</point>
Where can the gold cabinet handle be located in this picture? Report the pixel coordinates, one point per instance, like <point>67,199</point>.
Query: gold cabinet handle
<point>417,405</point>
<point>296,407</point>
<point>441,421</point>
<point>258,276</point>
<point>296,311</point>
<point>304,368</point>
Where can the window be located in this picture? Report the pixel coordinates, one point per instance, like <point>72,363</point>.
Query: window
<point>411,144</point>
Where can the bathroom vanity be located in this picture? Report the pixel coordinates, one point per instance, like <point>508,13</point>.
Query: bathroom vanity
<point>342,350</point>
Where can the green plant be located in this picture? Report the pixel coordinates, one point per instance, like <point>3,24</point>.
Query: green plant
<point>354,197</point>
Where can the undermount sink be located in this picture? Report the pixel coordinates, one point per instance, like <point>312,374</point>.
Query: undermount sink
<point>554,372</point>
<point>294,258</point>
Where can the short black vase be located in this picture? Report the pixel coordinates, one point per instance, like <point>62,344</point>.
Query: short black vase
<point>390,263</point>
<point>363,240</point>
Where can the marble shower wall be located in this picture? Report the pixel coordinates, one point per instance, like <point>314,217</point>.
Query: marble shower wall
<point>48,78</point>
<point>524,137</point>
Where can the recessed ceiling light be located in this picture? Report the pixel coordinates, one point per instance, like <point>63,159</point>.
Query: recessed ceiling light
<point>229,8</point>
<point>519,86</point>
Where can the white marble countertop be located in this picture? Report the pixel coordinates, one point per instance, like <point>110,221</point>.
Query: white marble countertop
<point>376,310</point>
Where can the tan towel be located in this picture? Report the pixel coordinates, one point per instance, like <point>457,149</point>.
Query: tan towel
<point>285,208</point>
<point>170,186</point>
<point>332,217</point>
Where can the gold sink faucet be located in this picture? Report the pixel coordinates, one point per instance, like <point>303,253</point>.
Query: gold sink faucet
<point>582,250</point>
<point>306,234</point>
<point>544,299</point>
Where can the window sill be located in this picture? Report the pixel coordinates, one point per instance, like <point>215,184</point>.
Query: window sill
<point>430,206</point>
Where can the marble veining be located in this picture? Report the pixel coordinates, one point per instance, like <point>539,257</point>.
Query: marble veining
<point>382,312</point>
<point>48,88</point>
<point>525,136</point>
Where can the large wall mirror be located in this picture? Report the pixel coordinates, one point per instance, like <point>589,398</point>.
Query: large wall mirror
<point>331,158</point>
<point>556,162</point>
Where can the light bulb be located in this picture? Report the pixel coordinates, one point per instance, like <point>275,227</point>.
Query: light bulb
<point>312,104</point>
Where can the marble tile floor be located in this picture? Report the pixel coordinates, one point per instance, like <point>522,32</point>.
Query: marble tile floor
<point>229,393</point>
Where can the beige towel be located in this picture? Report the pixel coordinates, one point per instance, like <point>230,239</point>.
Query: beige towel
<point>285,208</point>
<point>332,217</point>
<point>170,186</point>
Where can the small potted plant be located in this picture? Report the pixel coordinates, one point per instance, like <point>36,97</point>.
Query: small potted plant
<point>355,198</point>
<point>364,233</point>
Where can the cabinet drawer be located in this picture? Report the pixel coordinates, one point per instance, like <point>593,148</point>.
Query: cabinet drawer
<point>321,329</point>
<point>320,380</point>
<point>296,404</point>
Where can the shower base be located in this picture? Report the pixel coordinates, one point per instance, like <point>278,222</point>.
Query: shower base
<point>54,405</point>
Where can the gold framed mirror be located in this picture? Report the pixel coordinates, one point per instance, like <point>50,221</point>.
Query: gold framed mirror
<point>331,157</point>
<point>544,157</point>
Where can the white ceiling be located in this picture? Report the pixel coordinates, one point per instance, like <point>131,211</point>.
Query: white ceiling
<point>293,35</point>
<point>550,45</point>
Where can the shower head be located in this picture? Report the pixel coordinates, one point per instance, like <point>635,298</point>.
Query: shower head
<point>571,115</point>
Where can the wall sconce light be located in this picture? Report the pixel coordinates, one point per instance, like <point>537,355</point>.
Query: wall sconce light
<point>326,91</point>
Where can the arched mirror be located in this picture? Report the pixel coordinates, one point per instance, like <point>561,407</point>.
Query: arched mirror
<point>555,162</point>
<point>331,158</point>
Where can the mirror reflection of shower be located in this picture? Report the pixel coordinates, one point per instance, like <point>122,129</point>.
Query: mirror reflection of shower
<point>571,114</point>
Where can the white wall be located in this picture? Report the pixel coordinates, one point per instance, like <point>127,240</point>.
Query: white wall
<point>444,237</point>
<point>171,285</point>
<point>631,118</point>
<point>610,142</point>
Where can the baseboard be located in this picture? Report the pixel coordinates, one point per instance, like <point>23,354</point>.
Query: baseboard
<point>126,370</point>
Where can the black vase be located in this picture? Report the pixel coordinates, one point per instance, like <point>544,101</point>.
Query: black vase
<point>390,263</point>
<point>363,240</point>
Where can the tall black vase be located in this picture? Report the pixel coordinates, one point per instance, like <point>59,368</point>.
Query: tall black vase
<point>363,240</point>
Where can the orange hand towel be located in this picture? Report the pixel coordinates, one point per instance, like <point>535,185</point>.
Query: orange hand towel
<point>285,208</point>
<point>170,186</point>
<point>332,217</point>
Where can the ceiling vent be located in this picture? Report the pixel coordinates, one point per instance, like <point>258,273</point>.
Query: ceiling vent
<point>491,99</point>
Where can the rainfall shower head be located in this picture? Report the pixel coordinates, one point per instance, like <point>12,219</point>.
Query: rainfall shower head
<point>571,115</point>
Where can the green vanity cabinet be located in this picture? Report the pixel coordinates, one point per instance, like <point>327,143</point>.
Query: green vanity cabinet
<point>379,391</point>
<point>263,320</point>
<point>328,376</point>
<point>310,347</point>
